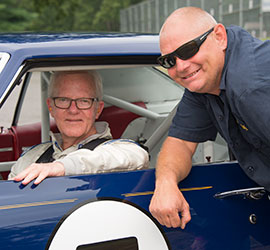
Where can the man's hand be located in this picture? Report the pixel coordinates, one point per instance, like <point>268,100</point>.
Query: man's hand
<point>166,204</point>
<point>40,171</point>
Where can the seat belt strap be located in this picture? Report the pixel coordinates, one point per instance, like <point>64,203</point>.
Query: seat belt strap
<point>47,156</point>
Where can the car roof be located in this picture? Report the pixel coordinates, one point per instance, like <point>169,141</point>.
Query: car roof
<point>78,43</point>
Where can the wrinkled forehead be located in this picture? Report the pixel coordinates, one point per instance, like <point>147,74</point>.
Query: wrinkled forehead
<point>79,83</point>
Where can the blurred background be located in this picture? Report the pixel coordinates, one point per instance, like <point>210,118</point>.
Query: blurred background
<point>148,16</point>
<point>145,16</point>
<point>61,15</point>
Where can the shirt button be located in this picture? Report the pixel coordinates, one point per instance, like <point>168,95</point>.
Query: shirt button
<point>250,169</point>
<point>221,117</point>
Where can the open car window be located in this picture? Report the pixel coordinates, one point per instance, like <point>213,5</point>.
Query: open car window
<point>137,100</point>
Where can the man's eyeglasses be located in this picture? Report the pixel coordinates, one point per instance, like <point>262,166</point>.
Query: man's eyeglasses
<point>81,103</point>
<point>184,52</point>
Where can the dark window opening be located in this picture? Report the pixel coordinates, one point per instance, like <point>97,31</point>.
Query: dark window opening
<point>129,243</point>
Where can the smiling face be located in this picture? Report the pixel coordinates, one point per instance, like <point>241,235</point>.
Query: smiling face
<point>74,124</point>
<point>202,72</point>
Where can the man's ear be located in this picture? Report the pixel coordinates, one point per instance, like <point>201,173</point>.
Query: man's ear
<point>220,34</point>
<point>49,105</point>
<point>100,106</point>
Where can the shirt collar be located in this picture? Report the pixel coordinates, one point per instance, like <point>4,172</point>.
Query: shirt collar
<point>230,43</point>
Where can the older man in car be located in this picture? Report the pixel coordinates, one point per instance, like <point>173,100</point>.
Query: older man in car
<point>83,145</point>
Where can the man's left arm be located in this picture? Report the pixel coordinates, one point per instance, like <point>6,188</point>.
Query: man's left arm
<point>113,155</point>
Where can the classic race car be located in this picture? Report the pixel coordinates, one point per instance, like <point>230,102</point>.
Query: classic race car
<point>110,210</point>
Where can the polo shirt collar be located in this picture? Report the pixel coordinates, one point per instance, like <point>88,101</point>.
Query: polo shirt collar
<point>230,42</point>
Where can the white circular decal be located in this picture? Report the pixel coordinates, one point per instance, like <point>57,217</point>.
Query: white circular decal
<point>106,221</point>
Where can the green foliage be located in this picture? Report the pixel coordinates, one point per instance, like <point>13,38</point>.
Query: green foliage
<point>62,15</point>
<point>107,18</point>
<point>79,15</point>
<point>54,15</point>
<point>15,16</point>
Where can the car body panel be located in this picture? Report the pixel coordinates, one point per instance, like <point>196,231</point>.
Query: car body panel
<point>33,212</point>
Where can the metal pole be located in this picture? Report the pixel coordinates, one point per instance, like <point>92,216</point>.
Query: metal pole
<point>220,3</point>
<point>166,12</point>
<point>175,4</point>
<point>149,18</point>
<point>130,20</point>
<point>45,116</point>
<point>131,107</point>
<point>241,13</point>
<point>202,4</point>
<point>157,16</point>
<point>143,29</point>
<point>136,19</point>
<point>261,19</point>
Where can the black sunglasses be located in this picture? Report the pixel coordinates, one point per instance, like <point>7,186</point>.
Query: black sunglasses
<point>184,52</point>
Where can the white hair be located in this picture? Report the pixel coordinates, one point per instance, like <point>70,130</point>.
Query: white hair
<point>92,73</point>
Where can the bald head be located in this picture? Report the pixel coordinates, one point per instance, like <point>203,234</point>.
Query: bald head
<point>188,20</point>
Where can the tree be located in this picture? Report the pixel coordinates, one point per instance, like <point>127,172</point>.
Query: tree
<point>61,15</point>
<point>15,16</point>
<point>108,17</point>
<point>55,15</point>
<point>79,15</point>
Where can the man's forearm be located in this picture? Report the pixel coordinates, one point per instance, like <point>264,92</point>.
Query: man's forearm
<point>174,161</point>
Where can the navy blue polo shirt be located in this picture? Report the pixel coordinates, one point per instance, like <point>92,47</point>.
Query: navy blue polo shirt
<point>241,113</point>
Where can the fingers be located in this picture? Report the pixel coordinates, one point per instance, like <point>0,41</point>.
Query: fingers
<point>40,172</point>
<point>165,215</point>
<point>41,176</point>
<point>21,176</point>
<point>32,172</point>
<point>186,217</point>
<point>173,219</point>
<point>172,211</point>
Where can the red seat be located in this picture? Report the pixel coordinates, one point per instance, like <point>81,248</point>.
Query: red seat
<point>118,118</point>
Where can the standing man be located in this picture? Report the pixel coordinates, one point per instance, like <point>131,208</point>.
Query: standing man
<point>83,145</point>
<point>225,73</point>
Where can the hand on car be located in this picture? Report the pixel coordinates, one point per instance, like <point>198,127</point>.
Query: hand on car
<point>167,203</point>
<point>40,171</point>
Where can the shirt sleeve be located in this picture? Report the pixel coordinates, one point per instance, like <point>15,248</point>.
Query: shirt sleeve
<point>192,121</point>
<point>27,158</point>
<point>114,155</point>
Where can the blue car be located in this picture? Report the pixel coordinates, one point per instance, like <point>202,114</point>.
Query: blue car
<point>110,210</point>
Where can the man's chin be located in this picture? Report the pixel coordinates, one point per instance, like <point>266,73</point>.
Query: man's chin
<point>196,90</point>
<point>72,134</point>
